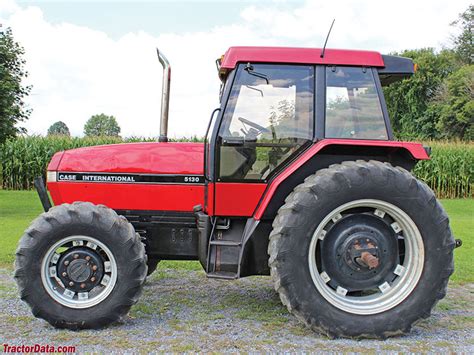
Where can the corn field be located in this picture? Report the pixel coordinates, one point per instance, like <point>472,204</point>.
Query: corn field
<point>450,172</point>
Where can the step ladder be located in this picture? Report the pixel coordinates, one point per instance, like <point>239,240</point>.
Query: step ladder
<point>226,247</point>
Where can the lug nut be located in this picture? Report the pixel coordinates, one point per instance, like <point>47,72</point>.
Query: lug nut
<point>76,256</point>
<point>66,262</point>
<point>94,267</point>
<point>64,274</point>
<point>92,278</point>
<point>71,283</point>
<point>83,285</point>
<point>88,258</point>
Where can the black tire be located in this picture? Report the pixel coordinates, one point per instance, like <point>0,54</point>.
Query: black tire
<point>152,265</point>
<point>80,219</point>
<point>303,212</point>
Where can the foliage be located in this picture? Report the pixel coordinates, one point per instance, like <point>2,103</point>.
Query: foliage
<point>25,158</point>
<point>464,43</point>
<point>12,92</point>
<point>58,128</point>
<point>450,171</point>
<point>102,126</point>
<point>454,104</point>
<point>408,100</point>
<point>436,103</point>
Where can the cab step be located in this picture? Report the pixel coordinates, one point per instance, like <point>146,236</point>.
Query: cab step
<point>226,243</point>
<point>226,275</point>
<point>226,246</point>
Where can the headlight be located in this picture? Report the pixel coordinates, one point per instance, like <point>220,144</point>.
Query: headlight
<point>51,176</point>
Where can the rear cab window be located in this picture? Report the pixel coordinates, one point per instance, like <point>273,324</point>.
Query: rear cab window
<point>353,106</point>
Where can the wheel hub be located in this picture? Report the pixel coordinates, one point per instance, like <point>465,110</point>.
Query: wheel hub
<point>80,269</point>
<point>359,252</point>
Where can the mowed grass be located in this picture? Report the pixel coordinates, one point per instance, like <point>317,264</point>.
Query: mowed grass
<point>19,208</point>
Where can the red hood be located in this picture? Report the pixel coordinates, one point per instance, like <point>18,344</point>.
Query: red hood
<point>145,158</point>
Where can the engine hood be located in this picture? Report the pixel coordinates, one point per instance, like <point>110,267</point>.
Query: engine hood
<point>143,158</point>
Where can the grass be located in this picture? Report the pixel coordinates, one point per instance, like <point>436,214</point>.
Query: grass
<point>19,208</point>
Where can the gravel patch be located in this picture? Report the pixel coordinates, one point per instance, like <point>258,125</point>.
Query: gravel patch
<point>182,311</point>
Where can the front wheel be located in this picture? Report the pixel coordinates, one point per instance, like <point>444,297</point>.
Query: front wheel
<point>80,266</point>
<point>361,249</point>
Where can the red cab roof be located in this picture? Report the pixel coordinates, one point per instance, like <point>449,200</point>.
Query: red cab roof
<point>290,55</point>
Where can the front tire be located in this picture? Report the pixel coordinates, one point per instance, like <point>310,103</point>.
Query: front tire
<point>361,249</point>
<point>80,266</point>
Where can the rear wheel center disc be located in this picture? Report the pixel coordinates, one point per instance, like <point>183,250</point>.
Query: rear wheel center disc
<point>359,252</point>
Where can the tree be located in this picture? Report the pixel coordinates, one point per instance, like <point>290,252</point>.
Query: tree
<point>58,128</point>
<point>408,100</point>
<point>102,125</point>
<point>464,43</point>
<point>12,92</point>
<point>454,103</point>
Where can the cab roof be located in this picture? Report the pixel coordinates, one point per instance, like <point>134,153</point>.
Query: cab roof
<point>292,55</point>
<point>391,68</point>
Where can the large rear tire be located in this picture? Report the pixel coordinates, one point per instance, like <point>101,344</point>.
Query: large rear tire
<point>361,249</point>
<point>80,266</point>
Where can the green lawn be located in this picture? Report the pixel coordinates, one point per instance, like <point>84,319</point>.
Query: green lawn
<point>19,208</point>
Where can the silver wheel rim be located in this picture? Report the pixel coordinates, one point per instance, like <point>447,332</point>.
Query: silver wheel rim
<point>60,292</point>
<point>407,274</point>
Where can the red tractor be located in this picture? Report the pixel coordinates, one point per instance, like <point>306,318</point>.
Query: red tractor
<point>299,178</point>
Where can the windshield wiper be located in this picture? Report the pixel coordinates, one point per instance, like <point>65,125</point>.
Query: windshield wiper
<point>249,69</point>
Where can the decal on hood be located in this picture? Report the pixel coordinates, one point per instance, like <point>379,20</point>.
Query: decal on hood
<point>130,178</point>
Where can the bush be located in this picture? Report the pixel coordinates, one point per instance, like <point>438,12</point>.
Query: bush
<point>450,172</point>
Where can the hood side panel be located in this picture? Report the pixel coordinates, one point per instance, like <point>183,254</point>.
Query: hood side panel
<point>177,164</point>
<point>144,158</point>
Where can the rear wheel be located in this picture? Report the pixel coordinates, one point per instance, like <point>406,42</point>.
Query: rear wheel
<point>80,266</point>
<point>361,249</point>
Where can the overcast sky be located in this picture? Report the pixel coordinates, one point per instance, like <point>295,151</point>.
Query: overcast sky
<point>94,57</point>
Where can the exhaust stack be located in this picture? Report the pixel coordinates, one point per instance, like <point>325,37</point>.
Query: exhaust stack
<point>165,96</point>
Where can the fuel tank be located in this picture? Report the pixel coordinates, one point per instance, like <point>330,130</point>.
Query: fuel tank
<point>132,176</point>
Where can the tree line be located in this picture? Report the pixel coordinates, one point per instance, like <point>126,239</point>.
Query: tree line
<point>437,102</point>
<point>100,125</point>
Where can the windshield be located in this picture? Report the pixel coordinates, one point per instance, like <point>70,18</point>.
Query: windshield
<point>270,111</point>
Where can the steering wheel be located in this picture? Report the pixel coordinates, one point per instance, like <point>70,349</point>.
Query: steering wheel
<point>261,129</point>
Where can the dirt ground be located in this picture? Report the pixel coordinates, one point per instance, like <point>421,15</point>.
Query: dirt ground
<point>182,311</point>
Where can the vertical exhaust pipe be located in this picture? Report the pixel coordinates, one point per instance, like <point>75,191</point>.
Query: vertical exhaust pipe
<point>165,96</point>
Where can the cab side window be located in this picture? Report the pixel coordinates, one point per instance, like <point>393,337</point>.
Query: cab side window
<point>269,116</point>
<point>353,108</point>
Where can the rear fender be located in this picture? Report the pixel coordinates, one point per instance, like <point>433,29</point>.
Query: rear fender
<point>332,151</point>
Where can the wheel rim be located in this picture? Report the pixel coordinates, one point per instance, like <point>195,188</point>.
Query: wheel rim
<point>400,278</point>
<point>79,271</point>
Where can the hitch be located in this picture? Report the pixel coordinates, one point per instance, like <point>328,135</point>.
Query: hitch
<point>42,193</point>
<point>457,243</point>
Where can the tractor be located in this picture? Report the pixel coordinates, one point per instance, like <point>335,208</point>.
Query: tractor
<point>299,177</point>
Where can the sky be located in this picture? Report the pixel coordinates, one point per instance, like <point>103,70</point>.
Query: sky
<point>90,57</point>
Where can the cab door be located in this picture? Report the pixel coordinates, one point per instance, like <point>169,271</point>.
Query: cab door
<point>268,119</point>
